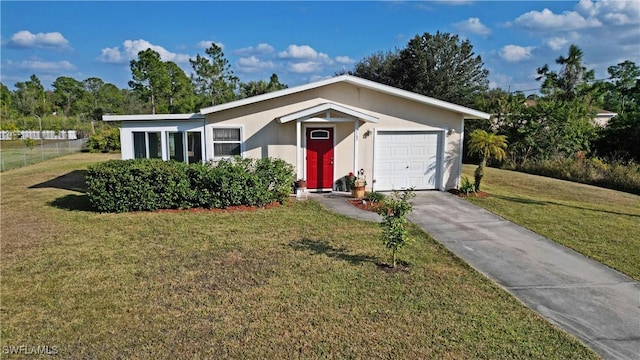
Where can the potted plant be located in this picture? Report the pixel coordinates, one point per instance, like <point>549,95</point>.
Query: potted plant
<point>359,185</point>
<point>300,184</point>
<point>350,181</point>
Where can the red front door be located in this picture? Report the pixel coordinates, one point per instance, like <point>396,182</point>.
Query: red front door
<point>320,158</point>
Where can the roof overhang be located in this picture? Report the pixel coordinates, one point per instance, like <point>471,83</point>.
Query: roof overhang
<point>309,113</point>
<point>152,117</point>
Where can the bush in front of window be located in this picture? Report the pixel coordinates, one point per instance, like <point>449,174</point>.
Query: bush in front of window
<point>138,185</point>
<point>151,184</point>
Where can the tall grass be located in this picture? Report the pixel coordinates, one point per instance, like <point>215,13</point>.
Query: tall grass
<point>616,174</point>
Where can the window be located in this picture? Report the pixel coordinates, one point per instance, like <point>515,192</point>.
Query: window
<point>319,135</point>
<point>176,146</point>
<point>146,144</point>
<point>194,146</point>
<point>155,145</point>
<point>226,142</point>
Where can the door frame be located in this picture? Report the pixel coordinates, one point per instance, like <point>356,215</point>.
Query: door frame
<point>304,147</point>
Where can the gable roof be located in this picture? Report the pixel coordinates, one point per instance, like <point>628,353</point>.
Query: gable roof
<point>314,110</point>
<point>350,79</point>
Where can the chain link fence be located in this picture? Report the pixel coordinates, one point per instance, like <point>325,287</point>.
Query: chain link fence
<point>19,157</point>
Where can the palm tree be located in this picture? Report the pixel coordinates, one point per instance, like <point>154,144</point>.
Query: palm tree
<point>487,145</point>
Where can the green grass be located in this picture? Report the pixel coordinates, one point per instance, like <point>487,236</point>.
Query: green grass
<point>600,223</point>
<point>293,281</point>
<point>15,154</point>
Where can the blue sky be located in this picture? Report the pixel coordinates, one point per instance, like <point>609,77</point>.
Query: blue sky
<point>306,41</point>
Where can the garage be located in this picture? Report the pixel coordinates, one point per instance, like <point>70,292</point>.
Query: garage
<point>405,159</point>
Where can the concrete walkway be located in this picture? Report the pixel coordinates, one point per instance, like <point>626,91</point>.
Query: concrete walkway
<point>598,305</point>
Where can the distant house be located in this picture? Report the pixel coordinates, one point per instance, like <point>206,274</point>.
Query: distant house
<point>326,129</point>
<point>602,116</point>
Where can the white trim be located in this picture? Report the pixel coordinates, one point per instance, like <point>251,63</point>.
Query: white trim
<point>356,136</point>
<point>299,156</point>
<point>154,117</point>
<point>209,140</point>
<point>313,126</point>
<point>460,153</point>
<point>315,110</point>
<point>349,79</point>
<point>442,159</point>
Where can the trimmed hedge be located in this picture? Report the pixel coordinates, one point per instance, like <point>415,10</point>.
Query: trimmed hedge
<point>151,184</point>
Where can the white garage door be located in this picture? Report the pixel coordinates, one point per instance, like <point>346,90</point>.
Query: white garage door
<point>405,159</point>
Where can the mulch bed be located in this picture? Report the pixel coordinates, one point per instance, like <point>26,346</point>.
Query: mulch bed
<point>228,209</point>
<point>367,205</point>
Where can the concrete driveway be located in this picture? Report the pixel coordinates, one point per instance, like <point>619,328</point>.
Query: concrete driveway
<point>598,305</point>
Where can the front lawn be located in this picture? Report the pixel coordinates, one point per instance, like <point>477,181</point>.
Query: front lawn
<point>293,281</point>
<point>600,223</point>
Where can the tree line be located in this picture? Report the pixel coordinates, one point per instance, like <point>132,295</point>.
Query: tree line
<point>557,122</point>
<point>156,87</point>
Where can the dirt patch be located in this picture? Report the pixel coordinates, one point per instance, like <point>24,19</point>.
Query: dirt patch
<point>401,267</point>
<point>480,194</point>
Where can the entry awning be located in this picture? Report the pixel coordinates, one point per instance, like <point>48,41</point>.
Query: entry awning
<point>319,109</point>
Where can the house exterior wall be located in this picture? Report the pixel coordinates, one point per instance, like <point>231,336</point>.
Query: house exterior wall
<point>265,136</point>
<point>163,126</point>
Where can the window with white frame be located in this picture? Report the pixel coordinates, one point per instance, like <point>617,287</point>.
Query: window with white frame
<point>227,142</point>
<point>146,145</point>
<point>185,146</point>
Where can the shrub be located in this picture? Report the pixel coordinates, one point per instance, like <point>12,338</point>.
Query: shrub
<point>466,186</point>
<point>375,197</point>
<point>394,211</point>
<point>151,184</point>
<point>137,185</point>
<point>105,140</point>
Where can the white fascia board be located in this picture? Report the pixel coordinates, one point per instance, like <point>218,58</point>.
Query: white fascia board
<point>467,112</point>
<point>152,117</point>
<point>328,106</point>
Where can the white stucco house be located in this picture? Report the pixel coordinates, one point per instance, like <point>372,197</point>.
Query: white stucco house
<point>326,129</point>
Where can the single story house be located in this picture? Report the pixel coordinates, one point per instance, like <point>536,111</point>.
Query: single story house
<point>394,138</point>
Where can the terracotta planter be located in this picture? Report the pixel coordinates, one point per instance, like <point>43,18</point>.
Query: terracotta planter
<point>358,192</point>
<point>301,184</point>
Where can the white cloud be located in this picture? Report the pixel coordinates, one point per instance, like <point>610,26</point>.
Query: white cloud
<point>344,60</point>
<point>131,48</point>
<point>253,64</point>
<point>473,26</point>
<point>26,39</point>
<point>111,55</point>
<point>205,44</point>
<point>262,48</point>
<point>556,43</point>
<point>302,52</point>
<point>314,78</point>
<point>546,20</point>
<point>515,53</point>
<point>305,67</point>
<point>612,12</point>
<point>40,65</point>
